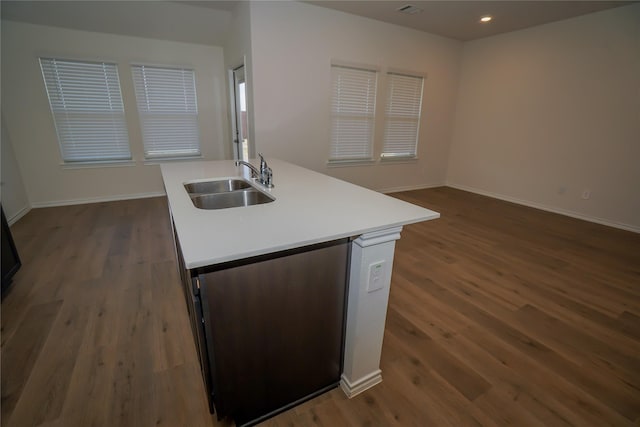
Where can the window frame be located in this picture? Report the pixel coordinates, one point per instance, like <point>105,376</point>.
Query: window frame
<point>392,117</point>
<point>367,115</point>
<point>145,115</point>
<point>64,111</point>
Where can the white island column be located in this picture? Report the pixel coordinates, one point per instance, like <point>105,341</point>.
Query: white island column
<point>369,284</point>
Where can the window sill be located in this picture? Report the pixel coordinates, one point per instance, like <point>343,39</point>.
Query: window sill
<point>94,165</point>
<point>398,159</point>
<point>160,160</point>
<point>346,163</point>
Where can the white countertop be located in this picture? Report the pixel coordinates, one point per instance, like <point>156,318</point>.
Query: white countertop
<point>309,208</point>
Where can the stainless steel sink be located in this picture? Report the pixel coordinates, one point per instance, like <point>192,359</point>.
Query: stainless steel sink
<point>225,193</point>
<point>231,199</point>
<point>218,186</point>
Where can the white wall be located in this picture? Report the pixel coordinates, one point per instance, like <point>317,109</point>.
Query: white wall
<point>14,197</point>
<point>293,45</point>
<point>547,112</point>
<point>237,51</point>
<point>30,126</point>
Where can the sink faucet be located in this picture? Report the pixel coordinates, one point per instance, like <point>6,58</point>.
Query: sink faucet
<point>264,175</point>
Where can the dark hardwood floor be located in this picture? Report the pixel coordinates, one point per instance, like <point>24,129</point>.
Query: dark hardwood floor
<point>499,315</point>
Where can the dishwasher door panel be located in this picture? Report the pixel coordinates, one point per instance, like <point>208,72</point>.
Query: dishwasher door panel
<point>275,329</point>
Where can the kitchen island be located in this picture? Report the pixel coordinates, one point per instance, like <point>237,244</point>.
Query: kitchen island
<point>321,242</point>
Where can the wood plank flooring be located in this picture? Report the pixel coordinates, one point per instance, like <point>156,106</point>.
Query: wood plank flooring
<point>499,315</point>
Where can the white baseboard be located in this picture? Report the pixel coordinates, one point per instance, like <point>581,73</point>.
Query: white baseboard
<point>22,212</point>
<point>361,385</point>
<point>409,188</point>
<point>96,199</point>
<point>560,211</point>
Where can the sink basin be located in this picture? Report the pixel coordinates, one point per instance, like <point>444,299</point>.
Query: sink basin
<point>231,199</point>
<point>218,186</point>
<point>225,193</point>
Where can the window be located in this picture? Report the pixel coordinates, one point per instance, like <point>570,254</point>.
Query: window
<point>87,110</point>
<point>352,113</point>
<point>168,111</point>
<point>402,115</point>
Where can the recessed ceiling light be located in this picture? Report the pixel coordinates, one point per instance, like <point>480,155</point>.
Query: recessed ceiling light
<point>486,18</point>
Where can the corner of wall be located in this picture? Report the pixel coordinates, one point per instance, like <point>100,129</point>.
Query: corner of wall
<point>238,50</point>
<point>15,200</point>
<point>454,121</point>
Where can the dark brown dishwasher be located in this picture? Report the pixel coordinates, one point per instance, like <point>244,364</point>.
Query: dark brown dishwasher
<point>270,329</point>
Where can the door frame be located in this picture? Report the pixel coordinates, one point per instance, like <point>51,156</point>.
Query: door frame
<point>235,142</point>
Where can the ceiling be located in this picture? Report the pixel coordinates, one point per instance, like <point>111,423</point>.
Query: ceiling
<point>164,20</point>
<point>460,19</point>
<point>207,22</point>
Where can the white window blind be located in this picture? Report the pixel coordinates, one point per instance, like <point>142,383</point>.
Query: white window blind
<point>87,109</point>
<point>402,115</point>
<point>168,111</point>
<point>352,112</point>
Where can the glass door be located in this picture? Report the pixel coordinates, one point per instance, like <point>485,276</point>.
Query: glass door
<point>240,122</point>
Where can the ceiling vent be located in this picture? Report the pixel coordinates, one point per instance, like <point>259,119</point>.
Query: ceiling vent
<point>409,9</point>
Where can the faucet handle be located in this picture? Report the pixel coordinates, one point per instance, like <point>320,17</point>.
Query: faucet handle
<point>263,163</point>
<point>268,177</point>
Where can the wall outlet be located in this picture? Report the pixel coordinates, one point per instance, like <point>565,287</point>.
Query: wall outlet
<point>586,193</point>
<point>376,276</point>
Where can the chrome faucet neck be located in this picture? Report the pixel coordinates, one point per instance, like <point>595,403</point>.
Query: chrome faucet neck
<point>255,173</point>
<point>264,175</point>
